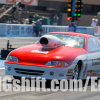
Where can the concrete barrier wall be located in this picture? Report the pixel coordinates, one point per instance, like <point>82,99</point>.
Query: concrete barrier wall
<point>20,30</point>
<point>48,28</point>
<point>90,30</point>
<point>2,29</point>
<point>97,31</point>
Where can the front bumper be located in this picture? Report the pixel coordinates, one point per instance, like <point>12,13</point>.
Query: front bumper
<point>35,71</point>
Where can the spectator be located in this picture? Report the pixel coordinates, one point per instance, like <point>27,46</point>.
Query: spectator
<point>94,21</point>
<point>30,19</point>
<point>37,27</point>
<point>56,19</point>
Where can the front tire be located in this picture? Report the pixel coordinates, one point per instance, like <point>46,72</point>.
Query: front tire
<point>76,71</point>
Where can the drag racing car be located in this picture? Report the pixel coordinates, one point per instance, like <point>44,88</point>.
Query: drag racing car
<point>56,55</point>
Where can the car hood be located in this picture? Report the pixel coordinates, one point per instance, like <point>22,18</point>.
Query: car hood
<point>35,54</point>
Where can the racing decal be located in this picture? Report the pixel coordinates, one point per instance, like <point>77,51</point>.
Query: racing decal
<point>89,72</point>
<point>84,73</point>
<point>69,77</point>
<point>38,51</point>
<point>99,73</point>
<point>95,62</point>
<point>95,72</point>
<point>70,71</point>
<point>92,73</point>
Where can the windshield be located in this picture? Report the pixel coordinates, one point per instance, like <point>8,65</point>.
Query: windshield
<point>69,40</point>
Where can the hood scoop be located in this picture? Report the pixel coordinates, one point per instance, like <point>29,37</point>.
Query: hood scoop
<point>50,42</point>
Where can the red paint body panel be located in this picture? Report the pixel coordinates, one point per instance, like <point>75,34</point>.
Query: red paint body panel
<point>64,53</point>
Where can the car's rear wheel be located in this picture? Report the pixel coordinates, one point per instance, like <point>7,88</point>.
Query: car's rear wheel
<point>76,71</point>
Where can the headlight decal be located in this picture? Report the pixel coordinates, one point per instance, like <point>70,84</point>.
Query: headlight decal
<point>12,59</point>
<point>57,63</point>
<point>70,71</point>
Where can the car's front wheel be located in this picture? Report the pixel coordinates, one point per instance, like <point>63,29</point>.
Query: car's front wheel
<point>76,71</point>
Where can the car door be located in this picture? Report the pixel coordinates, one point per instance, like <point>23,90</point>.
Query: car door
<point>93,49</point>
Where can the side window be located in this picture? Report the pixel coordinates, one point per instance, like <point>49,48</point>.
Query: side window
<point>93,45</point>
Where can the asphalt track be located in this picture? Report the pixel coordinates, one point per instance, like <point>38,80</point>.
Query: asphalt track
<point>18,42</point>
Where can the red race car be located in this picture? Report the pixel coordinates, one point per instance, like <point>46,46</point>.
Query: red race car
<point>56,55</point>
